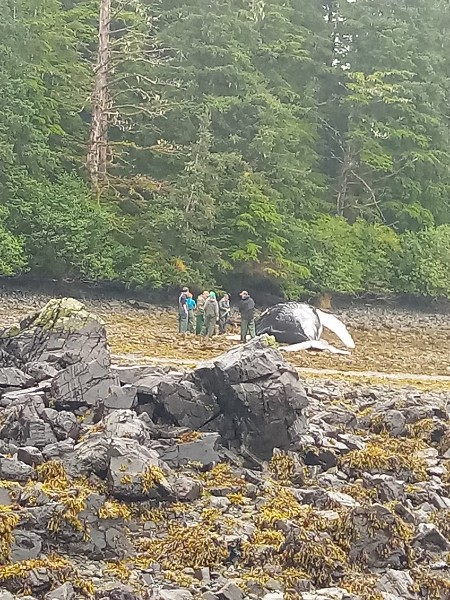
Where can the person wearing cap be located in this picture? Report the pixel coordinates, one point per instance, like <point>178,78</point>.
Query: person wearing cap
<point>211,315</point>
<point>247,311</point>
<point>224,313</point>
<point>200,311</point>
<point>183,311</point>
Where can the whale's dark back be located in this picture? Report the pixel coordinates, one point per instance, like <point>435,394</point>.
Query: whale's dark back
<point>290,323</point>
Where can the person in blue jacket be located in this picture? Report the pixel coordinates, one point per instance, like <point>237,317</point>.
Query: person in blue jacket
<point>191,306</point>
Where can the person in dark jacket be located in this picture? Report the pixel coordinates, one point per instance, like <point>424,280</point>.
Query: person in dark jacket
<point>224,313</point>
<point>247,310</point>
<point>211,315</point>
<point>183,311</point>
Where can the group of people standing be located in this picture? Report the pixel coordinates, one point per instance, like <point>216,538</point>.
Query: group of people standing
<point>200,317</point>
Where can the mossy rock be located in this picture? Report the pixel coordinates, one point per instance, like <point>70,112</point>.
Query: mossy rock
<point>269,341</point>
<point>63,314</point>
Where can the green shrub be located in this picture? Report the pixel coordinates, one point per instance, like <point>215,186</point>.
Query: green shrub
<point>423,264</point>
<point>65,232</point>
<point>12,256</point>
<point>378,247</point>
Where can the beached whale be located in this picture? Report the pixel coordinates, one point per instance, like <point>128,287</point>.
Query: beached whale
<point>301,325</point>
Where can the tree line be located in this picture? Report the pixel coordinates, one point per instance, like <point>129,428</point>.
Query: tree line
<point>291,143</point>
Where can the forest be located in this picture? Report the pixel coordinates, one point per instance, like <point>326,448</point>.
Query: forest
<point>294,144</point>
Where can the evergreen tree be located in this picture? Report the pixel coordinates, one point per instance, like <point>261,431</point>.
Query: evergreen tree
<point>387,125</point>
<point>252,67</point>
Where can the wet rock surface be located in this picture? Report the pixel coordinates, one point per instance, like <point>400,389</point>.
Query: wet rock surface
<point>235,481</point>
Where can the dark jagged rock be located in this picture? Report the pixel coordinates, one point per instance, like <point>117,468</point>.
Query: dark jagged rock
<point>82,385</point>
<point>388,488</point>
<point>250,395</point>
<point>186,489</point>
<point>131,374</point>
<point>58,450</point>
<point>26,546</point>
<point>68,338</point>
<point>374,538</point>
<point>117,592</point>
<point>63,592</point>
<point>89,456</point>
<point>40,371</point>
<point>203,450</point>
<point>260,393</point>
<point>11,377</point>
<point>121,397</point>
<point>429,537</point>
<point>12,469</point>
<point>398,584</point>
<point>125,424</point>
<point>230,591</point>
<point>28,422</point>
<point>172,400</point>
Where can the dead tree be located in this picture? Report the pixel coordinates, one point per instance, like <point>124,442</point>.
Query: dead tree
<point>97,155</point>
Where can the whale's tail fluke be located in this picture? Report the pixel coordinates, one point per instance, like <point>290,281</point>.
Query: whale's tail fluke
<point>337,327</point>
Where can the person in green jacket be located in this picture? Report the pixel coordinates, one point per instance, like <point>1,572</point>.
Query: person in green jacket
<point>211,315</point>
<point>200,311</point>
<point>247,310</point>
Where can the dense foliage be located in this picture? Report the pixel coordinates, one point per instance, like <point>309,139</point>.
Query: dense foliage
<point>295,142</point>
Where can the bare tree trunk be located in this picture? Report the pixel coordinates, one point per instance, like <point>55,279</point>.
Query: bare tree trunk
<point>324,301</point>
<point>96,161</point>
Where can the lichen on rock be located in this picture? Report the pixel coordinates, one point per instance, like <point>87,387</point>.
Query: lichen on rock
<point>64,314</point>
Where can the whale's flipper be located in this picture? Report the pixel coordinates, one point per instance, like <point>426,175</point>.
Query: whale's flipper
<point>336,326</point>
<point>233,337</point>
<point>314,345</point>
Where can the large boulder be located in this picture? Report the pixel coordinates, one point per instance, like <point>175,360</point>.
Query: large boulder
<point>12,469</point>
<point>12,377</point>
<point>62,342</point>
<point>250,395</point>
<point>260,393</point>
<point>202,450</point>
<point>82,385</point>
<point>125,424</point>
<point>26,546</point>
<point>89,456</point>
<point>63,332</point>
<point>118,453</point>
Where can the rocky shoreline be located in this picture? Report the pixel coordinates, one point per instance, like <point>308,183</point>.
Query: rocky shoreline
<point>359,314</point>
<point>234,481</point>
